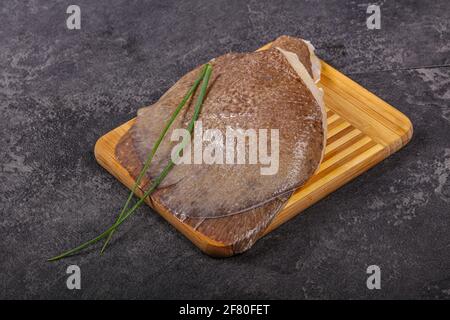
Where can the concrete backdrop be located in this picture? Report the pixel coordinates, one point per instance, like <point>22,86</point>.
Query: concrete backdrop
<point>61,89</point>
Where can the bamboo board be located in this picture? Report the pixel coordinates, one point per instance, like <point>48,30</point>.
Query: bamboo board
<point>362,131</point>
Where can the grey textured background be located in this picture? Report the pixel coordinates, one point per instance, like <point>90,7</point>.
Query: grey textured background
<point>60,90</point>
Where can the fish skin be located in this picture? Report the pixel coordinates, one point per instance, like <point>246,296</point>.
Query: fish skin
<point>228,204</point>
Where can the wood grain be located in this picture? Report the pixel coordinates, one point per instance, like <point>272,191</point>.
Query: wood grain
<point>362,131</point>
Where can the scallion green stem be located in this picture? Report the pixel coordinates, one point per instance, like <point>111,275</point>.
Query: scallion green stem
<point>156,182</point>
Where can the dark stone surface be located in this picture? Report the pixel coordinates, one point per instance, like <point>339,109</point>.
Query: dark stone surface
<point>60,90</point>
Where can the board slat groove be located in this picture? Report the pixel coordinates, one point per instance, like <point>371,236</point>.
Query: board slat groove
<point>345,153</point>
<point>317,189</point>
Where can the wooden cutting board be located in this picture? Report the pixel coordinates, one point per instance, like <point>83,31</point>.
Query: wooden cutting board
<point>362,131</point>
